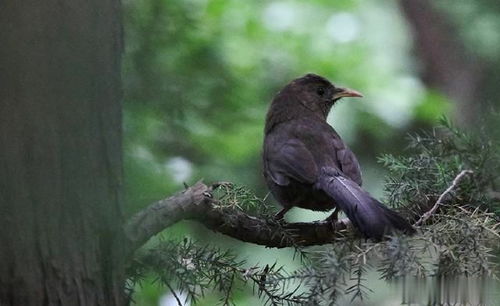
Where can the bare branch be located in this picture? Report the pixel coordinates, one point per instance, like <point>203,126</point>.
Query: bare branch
<point>439,201</point>
<point>269,232</point>
<point>196,203</point>
<point>164,213</point>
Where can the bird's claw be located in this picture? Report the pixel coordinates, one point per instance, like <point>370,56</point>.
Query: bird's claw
<point>334,217</point>
<point>281,214</point>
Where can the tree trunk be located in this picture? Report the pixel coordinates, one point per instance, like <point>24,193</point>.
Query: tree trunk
<point>447,64</point>
<point>60,153</point>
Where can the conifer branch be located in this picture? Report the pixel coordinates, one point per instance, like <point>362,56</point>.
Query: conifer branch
<point>197,203</point>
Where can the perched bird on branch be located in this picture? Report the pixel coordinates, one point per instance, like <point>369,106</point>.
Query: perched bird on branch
<point>306,163</point>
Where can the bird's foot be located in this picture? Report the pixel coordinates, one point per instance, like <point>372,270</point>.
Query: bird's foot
<point>281,214</point>
<point>334,217</point>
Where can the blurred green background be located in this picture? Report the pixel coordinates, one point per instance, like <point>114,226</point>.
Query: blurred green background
<point>199,75</point>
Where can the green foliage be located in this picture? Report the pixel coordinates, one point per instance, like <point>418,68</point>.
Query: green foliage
<point>416,181</point>
<point>459,239</point>
<point>239,197</point>
<point>184,267</point>
<point>462,231</point>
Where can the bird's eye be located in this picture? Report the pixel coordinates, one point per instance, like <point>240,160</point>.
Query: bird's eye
<point>320,91</point>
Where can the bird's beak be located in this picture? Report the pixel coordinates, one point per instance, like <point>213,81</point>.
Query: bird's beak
<point>346,92</point>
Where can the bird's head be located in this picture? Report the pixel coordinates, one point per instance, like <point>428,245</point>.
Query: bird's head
<point>311,94</point>
<point>317,93</point>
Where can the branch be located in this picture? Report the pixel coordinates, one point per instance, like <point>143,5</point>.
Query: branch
<point>439,201</point>
<point>164,213</point>
<point>271,233</point>
<point>196,203</point>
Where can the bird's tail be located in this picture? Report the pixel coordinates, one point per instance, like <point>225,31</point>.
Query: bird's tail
<point>368,215</point>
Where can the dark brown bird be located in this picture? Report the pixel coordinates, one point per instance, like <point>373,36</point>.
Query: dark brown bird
<point>306,163</point>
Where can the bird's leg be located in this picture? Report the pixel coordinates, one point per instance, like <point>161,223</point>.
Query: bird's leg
<point>334,216</point>
<point>279,216</point>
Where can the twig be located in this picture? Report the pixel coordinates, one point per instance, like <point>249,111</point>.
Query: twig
<point>439,201</point>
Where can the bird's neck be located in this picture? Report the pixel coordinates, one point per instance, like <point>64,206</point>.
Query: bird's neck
<point>280,112</point>
<point>325,109</point>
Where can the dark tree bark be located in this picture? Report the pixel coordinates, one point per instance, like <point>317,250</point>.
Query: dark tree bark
<point>60,153</point>
<point>447,65</point>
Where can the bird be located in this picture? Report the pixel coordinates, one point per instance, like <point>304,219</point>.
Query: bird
<point>306,163</point>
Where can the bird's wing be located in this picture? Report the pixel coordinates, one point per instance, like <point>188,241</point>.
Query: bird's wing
<point>349,165</point>
<point>345,159</point>
<point>292,161</point>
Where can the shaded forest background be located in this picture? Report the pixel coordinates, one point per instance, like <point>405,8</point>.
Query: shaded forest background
<point>199,75</point>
